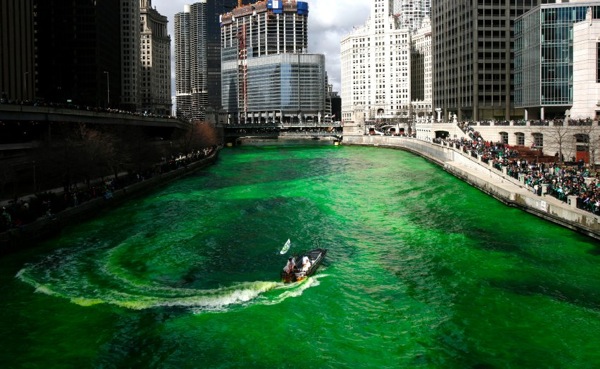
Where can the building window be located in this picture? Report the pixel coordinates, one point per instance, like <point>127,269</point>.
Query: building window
<point>582,138</point>
<point>504,137</point>
<point>538,140</point>
<point>520,138</point>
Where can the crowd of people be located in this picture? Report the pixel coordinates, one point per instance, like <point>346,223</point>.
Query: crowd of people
<point>539,175</point>
<point>19,212</point>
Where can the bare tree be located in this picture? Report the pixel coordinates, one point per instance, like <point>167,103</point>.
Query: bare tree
<point>139,152</point>
<point>588,133</point>
<point>78,153</point>
<point>556,136</point>
<point>199,135</point>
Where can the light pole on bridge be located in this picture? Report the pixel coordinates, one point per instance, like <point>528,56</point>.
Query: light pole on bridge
<point>107,88</point>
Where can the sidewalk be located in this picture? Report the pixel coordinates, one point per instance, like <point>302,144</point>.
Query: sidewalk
<point>58,190</point>
<point>43,225</point>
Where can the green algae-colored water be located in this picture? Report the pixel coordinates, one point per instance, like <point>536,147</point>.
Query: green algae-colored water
<point>423,271</point>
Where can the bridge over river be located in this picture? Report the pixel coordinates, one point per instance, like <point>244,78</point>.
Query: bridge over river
<point>306,130</point>
<point>10,113</point>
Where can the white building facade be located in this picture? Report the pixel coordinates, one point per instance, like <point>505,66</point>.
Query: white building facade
<point>411,13</point>
<point>586,69</point>
<point>376,65</point>
<point>156,61</point>
<point>421,85</point>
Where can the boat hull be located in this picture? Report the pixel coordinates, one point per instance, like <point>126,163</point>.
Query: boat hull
<point>315,256</point>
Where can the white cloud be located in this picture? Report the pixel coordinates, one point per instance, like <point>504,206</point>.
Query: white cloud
<point>328,22</point>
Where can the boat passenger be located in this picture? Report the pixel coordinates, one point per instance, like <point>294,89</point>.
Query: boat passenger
<point>305,264</point>
<point>289,267</point>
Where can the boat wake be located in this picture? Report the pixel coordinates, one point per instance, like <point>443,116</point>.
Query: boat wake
<point>87,281</point>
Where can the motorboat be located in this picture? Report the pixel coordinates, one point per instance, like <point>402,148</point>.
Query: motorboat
<point>315,257</point>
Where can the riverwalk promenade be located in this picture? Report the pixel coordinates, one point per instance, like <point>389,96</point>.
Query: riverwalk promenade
<point>484,176</point>
<point>52,223</point>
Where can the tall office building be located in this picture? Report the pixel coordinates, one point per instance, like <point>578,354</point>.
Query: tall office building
<point>17,51</point>
<point>131,77</point>
<point>586,68</point>
<point>420,77</point>
<point>83,53</point>
<point>376,67</point>
<point>267,75</point>
<point>411,13</point>
<point>73,66</point>
<point>156,61</point>
<point>190,62</point>
<point>198,58</point>
<point>472,57</point>
<point>544,58</point>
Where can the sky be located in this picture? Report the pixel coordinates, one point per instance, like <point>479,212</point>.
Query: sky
<point>328,22</point>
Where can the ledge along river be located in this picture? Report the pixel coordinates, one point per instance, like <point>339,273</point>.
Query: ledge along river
<point>423,271</point>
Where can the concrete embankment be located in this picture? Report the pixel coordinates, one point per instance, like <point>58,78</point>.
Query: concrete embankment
<point>498,184</point>
<point>43,228</point>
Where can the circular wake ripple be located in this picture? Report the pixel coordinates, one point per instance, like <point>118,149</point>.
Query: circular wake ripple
<point>86,277</point>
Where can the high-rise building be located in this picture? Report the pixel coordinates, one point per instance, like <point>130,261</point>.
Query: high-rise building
<point>472,57</point>
<point>85,53</point>
<point>155,60</point>
<point>420,60</point>
<point>267,75</point>
<point>376,67</point>
<point>586,69</point>
<point>190,62</point>
<point>198,58</point>
<point>544,58</point>
<point>17,51</point>
<point>78,52</point>
<point>130,55</point>
<point>411,13</point>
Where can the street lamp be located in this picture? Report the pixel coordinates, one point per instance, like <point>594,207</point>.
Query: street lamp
<point>107,88</point>
<point>25,80</point>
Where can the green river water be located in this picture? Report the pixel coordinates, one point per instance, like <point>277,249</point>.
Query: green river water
<point>422,271</point>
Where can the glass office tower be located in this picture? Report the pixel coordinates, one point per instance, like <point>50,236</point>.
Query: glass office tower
<point>544,57</point>
<point>267,76</point>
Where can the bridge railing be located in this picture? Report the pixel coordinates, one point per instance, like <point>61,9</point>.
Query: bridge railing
<point>19,112</point>
<point>284,125</point>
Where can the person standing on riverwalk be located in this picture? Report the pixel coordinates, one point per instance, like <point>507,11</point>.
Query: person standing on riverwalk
<point>6,219</point>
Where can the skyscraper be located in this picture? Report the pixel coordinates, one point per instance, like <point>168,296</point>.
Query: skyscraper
<point>411,13</point>
<point>156,61</point>
<point>420,76</point>
<point>131,76</point>
<point>17,50</point>
<point>376,63</point>
<point>544,58</point>
<point>78,58</point>
<point>190,61</point>
<point>472,57</point>
<point>198,58</point>
<point>267,75</point>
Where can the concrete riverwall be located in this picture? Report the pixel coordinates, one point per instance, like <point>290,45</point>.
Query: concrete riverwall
<point>483,176</point>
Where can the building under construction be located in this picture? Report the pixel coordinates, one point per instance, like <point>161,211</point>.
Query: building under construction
<point>267,75</point>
